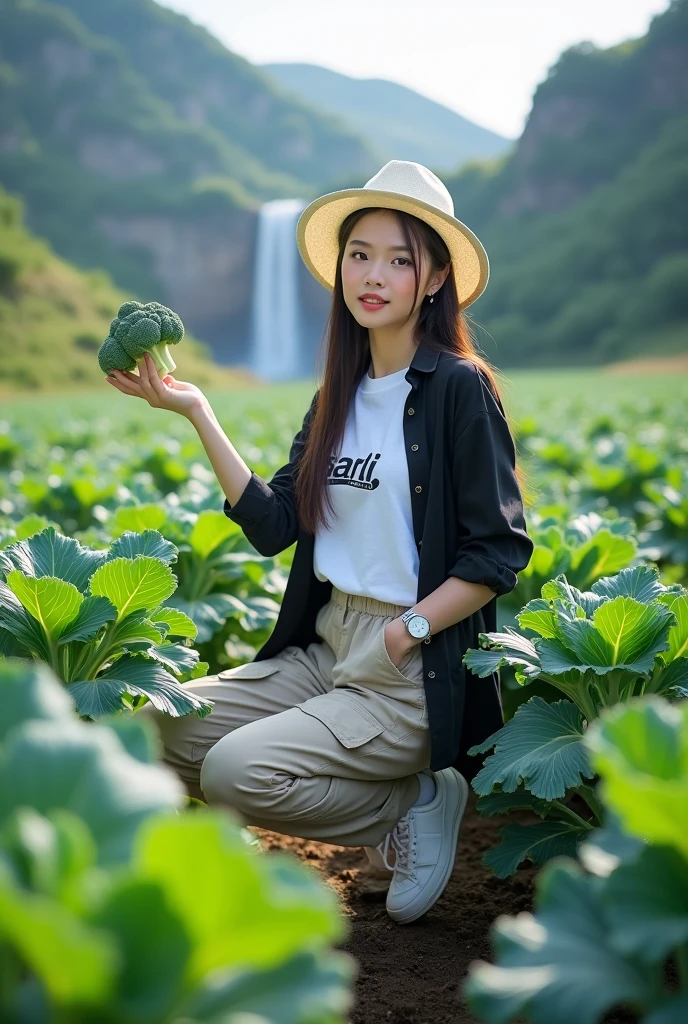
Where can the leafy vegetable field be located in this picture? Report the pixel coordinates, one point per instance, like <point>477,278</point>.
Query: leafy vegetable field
<point>121,580</point>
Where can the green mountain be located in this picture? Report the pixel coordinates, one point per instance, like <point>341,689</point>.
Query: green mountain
<point>141,145</point>
<point>586,223</point>
<point>585,219</point>
<point>206,85</point>
<point>53,319</point>
<point>398,122</point>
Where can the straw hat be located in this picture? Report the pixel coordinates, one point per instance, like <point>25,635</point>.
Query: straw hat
<point>399,185</point>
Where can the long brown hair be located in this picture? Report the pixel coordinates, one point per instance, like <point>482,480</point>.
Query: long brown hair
<point>441,325</point>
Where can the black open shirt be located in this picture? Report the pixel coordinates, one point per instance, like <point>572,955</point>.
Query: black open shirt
<point>468,521</point>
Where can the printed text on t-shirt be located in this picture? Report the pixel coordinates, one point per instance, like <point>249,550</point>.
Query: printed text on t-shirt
<point>346,471</point>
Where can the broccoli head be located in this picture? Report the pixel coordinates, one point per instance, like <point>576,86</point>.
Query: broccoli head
<point>139,328</point>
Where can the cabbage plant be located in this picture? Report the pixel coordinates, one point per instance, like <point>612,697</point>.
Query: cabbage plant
<point>117,906</point>
<point>612,932</point>
<point>99,619</point>
<point>583,547</point>
<point>665,507</point>
<point>627,636</point>
<point>211,570</point>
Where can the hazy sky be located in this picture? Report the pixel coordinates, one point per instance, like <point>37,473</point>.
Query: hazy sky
<point>483,59</point>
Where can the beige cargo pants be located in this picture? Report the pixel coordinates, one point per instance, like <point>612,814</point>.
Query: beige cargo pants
<point>321,743</point>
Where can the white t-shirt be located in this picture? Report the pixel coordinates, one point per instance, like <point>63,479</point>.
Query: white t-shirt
<point>370,548</point>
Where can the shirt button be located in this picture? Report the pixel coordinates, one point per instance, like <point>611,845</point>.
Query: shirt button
<point>431,675</point>
<point>414,447</point>
<point>411,412</point>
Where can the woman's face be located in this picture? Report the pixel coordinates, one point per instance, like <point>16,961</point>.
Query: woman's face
<point>376,260</point>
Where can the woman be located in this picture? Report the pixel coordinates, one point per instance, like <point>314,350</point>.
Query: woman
<point>351,725</point>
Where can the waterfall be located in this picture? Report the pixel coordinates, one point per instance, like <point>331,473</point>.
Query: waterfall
<point>275,313</point>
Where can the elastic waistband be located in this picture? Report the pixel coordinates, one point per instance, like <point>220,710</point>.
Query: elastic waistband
<point>367,604</point>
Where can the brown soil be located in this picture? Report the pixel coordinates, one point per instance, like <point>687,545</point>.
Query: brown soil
<point>412,974</point>
<point>649,364</point>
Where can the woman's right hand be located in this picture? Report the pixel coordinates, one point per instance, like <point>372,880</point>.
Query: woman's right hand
<point>174,395</point>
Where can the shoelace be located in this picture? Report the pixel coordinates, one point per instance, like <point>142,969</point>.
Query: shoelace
<point>399,838</point>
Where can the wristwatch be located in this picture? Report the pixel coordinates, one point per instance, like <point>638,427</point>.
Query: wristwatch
<point>417,625</point>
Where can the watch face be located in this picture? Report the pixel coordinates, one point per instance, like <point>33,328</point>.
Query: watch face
<point>418,626</point>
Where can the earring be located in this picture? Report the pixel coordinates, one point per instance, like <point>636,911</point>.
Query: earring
<point>432,298</point>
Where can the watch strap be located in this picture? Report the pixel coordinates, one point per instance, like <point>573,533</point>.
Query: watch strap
<point>407,616</point>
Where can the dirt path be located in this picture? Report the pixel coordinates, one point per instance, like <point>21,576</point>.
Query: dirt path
<point>410,974</point>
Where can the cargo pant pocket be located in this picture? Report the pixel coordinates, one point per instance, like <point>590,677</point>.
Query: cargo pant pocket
<point>250,670</point>
<point>351,724</point>
<point>410,670</point>
<point>388,661</point>
<point>199,750</point>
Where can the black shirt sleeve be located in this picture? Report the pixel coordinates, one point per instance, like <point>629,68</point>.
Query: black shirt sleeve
<point>266,511</point>
<point>493,543</point>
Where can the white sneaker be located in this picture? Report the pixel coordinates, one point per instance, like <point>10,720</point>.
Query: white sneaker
<point>424,842</point>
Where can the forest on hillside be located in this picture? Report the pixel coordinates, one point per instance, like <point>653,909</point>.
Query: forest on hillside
<point>128,133</point>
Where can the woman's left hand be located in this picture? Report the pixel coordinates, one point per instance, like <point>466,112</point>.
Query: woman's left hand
<point>397,641</point>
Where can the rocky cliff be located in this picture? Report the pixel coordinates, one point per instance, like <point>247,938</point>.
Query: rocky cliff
<point>586,223</point>
<point>594,112</point>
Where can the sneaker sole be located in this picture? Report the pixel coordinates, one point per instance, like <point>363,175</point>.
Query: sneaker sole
<point>413,910</point>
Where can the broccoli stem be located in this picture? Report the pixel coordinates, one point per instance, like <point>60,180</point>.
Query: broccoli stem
<point>160,354</point>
